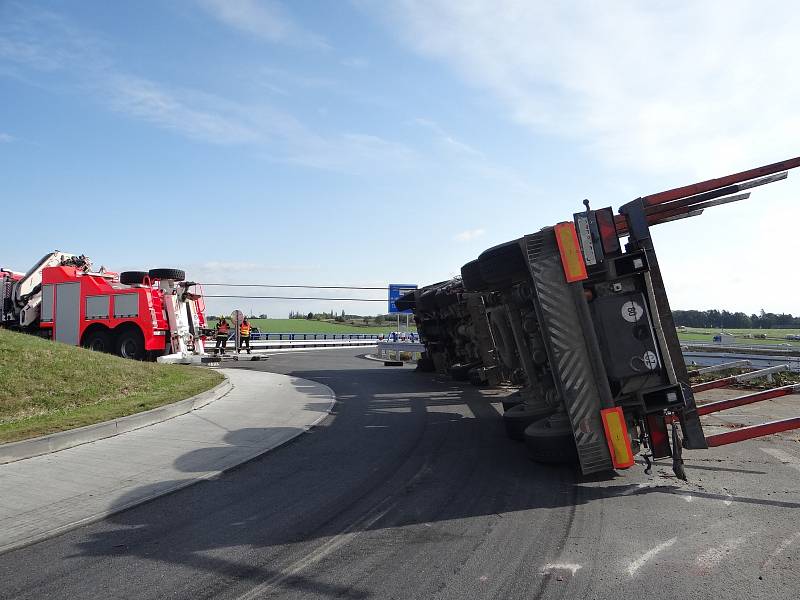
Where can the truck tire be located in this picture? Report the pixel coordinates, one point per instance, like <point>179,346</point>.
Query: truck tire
<point>427,300</point>
<point>174,274</point>
<point>443,299</point>
<point>476,378</point>
<point>517,418</point>
<point>130,344</point>
<point>511,401</point>
<point>132,277</point>
<point>503,265</point>
<point>472,279</point>
<point>551,441</point>
<point>99,340</point>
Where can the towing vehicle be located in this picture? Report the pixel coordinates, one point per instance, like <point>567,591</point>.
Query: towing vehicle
<point>596,338</point>
<point>134,314</point>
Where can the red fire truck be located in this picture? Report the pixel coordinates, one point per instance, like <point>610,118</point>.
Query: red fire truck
<point>134,314</point>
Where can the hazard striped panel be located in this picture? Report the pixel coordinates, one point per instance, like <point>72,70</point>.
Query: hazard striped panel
<point>578,384</point>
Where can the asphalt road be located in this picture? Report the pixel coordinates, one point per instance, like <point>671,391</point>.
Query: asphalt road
<point>411,490</point>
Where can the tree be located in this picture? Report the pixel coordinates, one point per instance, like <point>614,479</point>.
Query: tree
<point>366,320</point>
<point>310,316</point>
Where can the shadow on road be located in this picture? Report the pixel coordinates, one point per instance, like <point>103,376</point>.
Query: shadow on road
<point>429,449</point>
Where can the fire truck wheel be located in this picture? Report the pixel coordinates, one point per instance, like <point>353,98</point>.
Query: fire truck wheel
<point>551,441</point>
<point>471,276</point>
<point>174,274</point>
<point>99,340</point>
<point>503,265</point>
<point>426,365</point>
<point>130,344</point>
<point>132,277</point>
<point>517,418</point>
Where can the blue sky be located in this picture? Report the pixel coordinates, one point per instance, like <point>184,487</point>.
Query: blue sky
<point>365,142</point>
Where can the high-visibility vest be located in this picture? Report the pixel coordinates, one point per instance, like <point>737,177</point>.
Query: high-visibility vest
<point>222,328</point>
<point>244,330</point>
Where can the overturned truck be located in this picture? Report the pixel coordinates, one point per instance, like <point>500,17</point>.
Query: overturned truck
<point>582,323</point>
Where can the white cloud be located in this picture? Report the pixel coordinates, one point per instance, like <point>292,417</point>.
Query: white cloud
<point>264,19</point>
<point>46,43</point>
<point>690,87</point>
<point>446,139</point>
<point>6,138</point>
<point>469,235</point>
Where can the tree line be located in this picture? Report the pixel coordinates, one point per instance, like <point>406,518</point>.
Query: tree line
<point>734,320</point>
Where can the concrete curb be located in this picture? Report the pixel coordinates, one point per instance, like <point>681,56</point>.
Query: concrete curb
<point>99,516</point>
<point>54,442</point>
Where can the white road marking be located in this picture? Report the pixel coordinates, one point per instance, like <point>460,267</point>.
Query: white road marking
<point>640,562</point>
<point>780,550</point>
<point>317,555</point>
<point>786,458</point>
<point>688,497</point>
<point>550,567</point>
<point>709,559</point>
<point>636,488</point>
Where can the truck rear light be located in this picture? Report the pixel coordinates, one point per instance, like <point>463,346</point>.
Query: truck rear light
<point>569,248</point>
<point>659,437</point>
<point>608,230</point>
<point>619,443</point>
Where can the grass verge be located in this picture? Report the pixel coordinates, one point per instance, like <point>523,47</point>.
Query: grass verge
<point>46,387</point>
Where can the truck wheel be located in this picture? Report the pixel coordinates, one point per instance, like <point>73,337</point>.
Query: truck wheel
<point>517,418</point>
<point>511,401</point>
<point>503,265</point>
<point>130,344</point>
<point>443,299</point>
<point>471,277</point>
<point>174,274</point>
<point>551,441</point>
<point>132,277</point>
<point>426,300</point>
<point>99,340</point>
<point>476,378</point>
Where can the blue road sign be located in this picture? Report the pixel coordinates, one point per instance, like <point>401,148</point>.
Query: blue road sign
<point>395,291</point>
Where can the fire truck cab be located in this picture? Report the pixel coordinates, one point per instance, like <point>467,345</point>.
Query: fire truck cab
<point>134,314</point>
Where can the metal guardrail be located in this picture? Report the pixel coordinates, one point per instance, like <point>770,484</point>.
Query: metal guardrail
<point>755,360</point>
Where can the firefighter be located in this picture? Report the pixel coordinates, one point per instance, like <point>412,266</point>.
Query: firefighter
<point>223,329</point>
<point>244,335</point>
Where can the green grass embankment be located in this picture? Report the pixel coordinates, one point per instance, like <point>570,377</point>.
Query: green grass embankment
<point>46,387</point>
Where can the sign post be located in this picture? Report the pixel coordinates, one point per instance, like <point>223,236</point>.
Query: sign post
<point>395,291</point>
